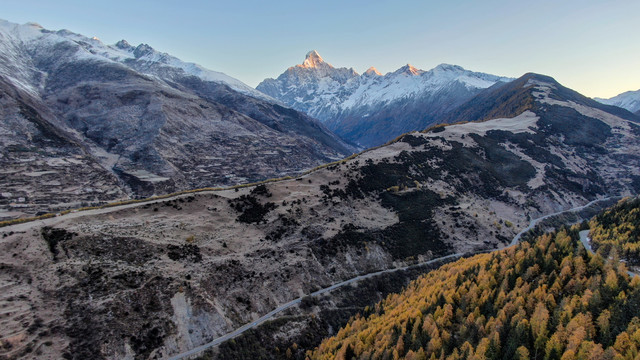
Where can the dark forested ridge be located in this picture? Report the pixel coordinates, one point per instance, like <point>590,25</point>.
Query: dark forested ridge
<point>544,299</point>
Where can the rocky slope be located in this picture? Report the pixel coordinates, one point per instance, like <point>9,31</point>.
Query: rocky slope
<point>371,109</point>
<point>88,122</point>
<point>163,277</point>
<point>629,100</point>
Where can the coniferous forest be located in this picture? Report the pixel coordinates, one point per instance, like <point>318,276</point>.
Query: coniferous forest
<point>616,232</point>
<point>542,299</point>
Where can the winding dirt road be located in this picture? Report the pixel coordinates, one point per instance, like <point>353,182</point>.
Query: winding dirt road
<point>283,307</point>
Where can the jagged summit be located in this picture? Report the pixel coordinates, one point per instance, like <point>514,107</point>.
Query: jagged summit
<point>123,44</point>
<point>409,70</point>
<point>313,60</point>
<point>34,25</point>
<point>449,67</point>
<point>372,71</point>
<point>372,108</point>
<point>142,50</point>
<point>313,54</point>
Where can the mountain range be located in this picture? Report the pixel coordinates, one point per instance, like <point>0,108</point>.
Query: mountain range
<point>160,278</point>
<point>371,109</point>
<point>84,122</point>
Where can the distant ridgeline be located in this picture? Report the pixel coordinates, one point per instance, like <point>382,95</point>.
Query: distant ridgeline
<point>545,299</point>
<point>616,232</point>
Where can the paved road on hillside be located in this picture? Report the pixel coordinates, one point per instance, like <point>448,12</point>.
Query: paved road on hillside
<point>586,241</point>
<point>291,303</point>
<point>283,307</point>
<point>81,213</point>
<point>535,222</point>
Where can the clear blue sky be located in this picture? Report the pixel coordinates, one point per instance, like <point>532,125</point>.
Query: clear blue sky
<point>590,46</point>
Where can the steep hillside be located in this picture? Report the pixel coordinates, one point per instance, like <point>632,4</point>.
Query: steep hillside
<point>616,232</point>
<point>546,299</point>
<point>152,123</point>
<point>371,109</point>
<point>42,165</point>
<point>163,277</point>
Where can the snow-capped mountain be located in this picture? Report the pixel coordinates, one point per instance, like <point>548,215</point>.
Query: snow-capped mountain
<point>81,121</point>
<point>142,57</point>
<point>372,108</point>
<point>313,87</point>
<point>629,100</point>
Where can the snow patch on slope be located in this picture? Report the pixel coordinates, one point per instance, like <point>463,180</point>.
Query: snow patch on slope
<point>523,123</point>
<point>14,66</point>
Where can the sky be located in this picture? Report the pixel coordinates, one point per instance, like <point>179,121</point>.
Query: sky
<point>590,46</point>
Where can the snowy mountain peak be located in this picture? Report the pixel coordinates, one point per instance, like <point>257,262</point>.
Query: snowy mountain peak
<point>34,25</point>
<point>123,44</point>
<point>372,71</point>
<point>142,50</point>
<point>449,67</point>
<point>629,100</point>
<point>372,108</point>
<point>409,70</point>
<point>142,58</point>
<point>313,54</point>
<point>313,60</point>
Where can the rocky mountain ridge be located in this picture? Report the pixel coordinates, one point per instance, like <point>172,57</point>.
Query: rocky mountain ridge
<point>84,122</point>
<point>371,109</point>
